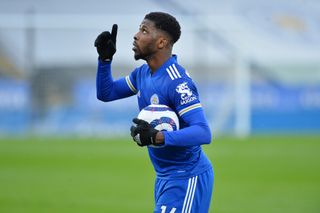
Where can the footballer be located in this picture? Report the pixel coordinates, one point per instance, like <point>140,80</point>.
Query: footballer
<point>184,174</point>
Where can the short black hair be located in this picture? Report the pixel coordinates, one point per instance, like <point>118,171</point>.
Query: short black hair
<point>167,23</point>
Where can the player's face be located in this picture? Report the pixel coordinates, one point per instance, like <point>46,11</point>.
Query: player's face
<point>144,43</point>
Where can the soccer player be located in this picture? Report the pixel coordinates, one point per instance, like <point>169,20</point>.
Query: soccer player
<point>184,175</point>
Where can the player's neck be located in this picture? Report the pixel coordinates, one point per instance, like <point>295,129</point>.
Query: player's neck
<point>157,60</point>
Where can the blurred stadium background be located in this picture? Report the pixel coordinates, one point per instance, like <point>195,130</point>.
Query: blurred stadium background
<point>257,67</point>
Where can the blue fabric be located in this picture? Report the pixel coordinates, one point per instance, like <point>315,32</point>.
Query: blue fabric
<point>107,88</point>
<point>184,195</point>
<point>171,85</point>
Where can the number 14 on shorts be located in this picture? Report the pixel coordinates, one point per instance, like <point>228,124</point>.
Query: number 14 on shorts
<point>164,208</point>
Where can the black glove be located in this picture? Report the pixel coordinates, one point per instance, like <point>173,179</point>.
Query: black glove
<point>143,133</point>
<point>106,44</point>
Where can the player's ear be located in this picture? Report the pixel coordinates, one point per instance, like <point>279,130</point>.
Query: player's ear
<point>162,42</point>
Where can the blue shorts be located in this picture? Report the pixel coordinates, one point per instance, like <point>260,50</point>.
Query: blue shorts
<point>184,195</point>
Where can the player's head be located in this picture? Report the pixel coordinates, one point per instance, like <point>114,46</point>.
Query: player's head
<point>158,31</point>
<point>166,23</point>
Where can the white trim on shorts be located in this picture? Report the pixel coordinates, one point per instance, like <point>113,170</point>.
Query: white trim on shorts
<point>188,199</point>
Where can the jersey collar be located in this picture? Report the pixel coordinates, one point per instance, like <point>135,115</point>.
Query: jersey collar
<point>163,67</point>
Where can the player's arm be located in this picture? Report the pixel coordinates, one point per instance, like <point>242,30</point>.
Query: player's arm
<point>186,101</point>
<point>107,88</point>
<point>197,132</point>
<point>184,96</point>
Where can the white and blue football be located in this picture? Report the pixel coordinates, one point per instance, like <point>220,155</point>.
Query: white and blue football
<point>160,117</point>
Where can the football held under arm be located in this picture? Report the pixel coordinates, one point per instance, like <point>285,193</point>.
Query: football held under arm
<point>196,130</point>
<point>197,133</point>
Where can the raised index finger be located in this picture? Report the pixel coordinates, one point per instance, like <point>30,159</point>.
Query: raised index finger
<point>114,33</point>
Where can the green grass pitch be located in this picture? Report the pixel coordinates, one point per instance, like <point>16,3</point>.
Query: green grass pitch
<point>270,174</point>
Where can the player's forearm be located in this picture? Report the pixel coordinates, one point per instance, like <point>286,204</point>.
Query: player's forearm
<point>189,136</point>
<point>104,81</point>
<point>107,88</point>
<point>197,132</point>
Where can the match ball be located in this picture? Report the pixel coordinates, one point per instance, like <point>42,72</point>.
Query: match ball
<point>160,117</point>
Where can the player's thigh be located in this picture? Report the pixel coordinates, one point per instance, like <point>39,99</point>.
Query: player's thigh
<point>186,195</point>
<point>169,195</point>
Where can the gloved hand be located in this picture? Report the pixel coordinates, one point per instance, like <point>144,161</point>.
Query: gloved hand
<point>143,133</point>
<point>106,44</point>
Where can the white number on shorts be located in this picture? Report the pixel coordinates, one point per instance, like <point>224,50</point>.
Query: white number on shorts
<point>164,208</point>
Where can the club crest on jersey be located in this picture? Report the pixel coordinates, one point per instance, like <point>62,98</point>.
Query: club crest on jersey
<point>186,93</point>
<point>154,99</point>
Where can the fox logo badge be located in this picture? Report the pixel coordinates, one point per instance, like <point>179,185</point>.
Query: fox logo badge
<point>185,93</point>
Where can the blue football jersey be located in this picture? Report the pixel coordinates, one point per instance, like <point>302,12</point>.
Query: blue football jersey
<point>171,85</point>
